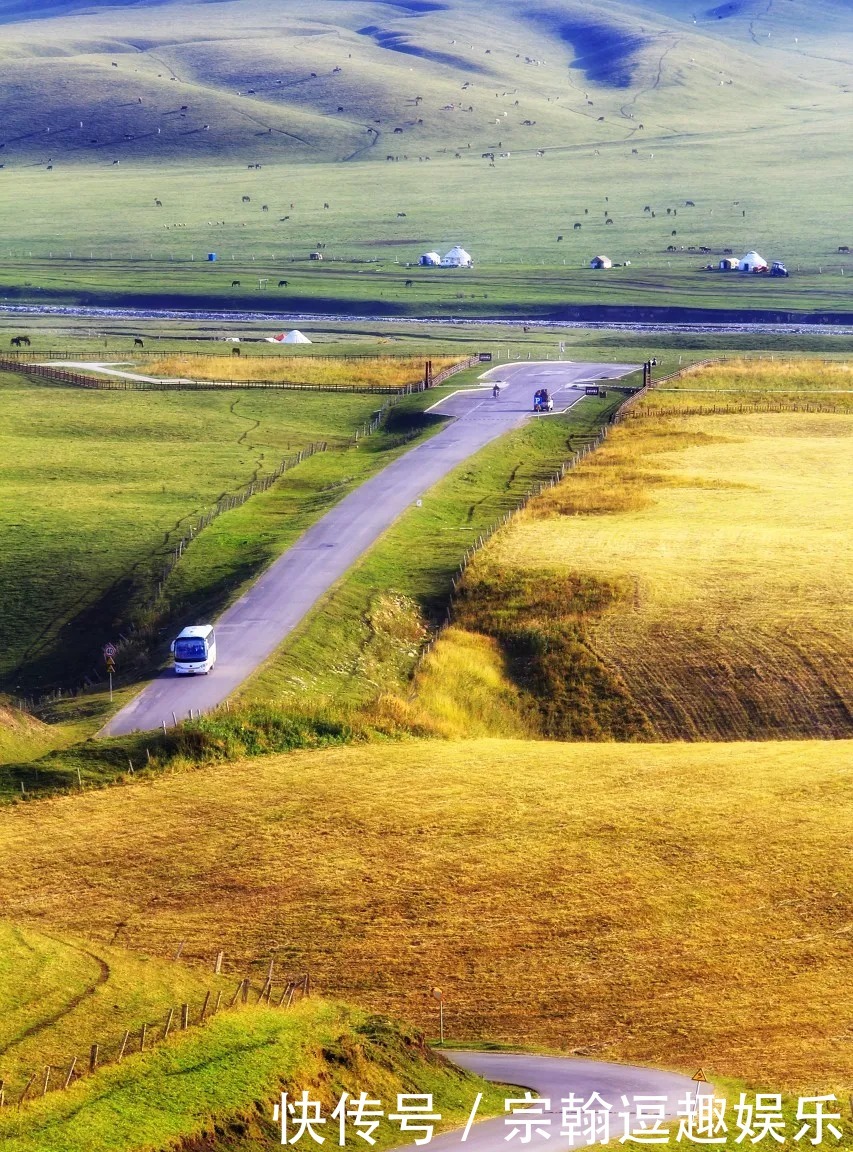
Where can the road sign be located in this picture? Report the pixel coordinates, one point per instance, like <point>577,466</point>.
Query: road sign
<point>111,665</point>
<point>700,1077</point>
<point>110,651</point>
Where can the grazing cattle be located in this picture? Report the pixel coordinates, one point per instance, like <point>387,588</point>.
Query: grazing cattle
<point>410,283</point>
<point>282,284</point>
<point>235,283</point>
<point>158,203</point>
<point>340,107</point>
<point>671,248</point>
<point>689,204</point>
<point>647,208</point>
<point>673,233</point>
<point>608,221</point>
<point>137,343</point>
<point>397,131</point>
<point>235,351</point>
<point>20,342</point>
<point>325,205</point>
<point>576,226</point>
<point>247,199</point>
<point>600,118</point>
<point>400,215</point>
<point>559,238</point>
<point>265,207</point>
<point>634,152</point>
<point>843,248</point>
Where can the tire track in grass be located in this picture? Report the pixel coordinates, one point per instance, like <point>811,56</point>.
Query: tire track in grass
<point>104,973</point>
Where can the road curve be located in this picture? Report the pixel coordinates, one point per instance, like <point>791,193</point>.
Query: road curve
<point>554,1079</point>
<point>250,630</point>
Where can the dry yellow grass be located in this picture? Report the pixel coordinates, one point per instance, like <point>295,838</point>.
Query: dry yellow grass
<point>462,689</point>
<point>799,384</point>
<point>679,904</point>
<point>333,371</point>
<point>729,538</point>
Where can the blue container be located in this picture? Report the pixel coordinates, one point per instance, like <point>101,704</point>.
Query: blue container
<point>211,257</point>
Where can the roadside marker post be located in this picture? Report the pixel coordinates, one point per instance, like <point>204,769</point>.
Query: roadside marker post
<point>110,652</point>
<point>439,996</point>
<point>700,1078</point>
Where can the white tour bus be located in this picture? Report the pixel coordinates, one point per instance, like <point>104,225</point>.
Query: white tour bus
<point>195,651</point>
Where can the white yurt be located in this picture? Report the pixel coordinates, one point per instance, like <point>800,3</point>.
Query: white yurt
<point>601,262</point>
<point>457,257</point>
<point>294,337</point>
<point>752,262</point>
<point>430,260</point>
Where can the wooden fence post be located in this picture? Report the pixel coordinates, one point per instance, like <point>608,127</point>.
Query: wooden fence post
<point>93,1057</point>
<point>26,1090</point>
<point>47,1070</point>
<point>217,967</point>
<point>168,1023</point>
<point>185,1017</point>
<point>204,1007</point>
<point>142,1034</point>
<point>124,1041</point>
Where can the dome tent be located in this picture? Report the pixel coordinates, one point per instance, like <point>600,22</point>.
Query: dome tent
<point>457,257</point>
<point>752,262</point>
<point>294,337</point>
<point>430,260</point>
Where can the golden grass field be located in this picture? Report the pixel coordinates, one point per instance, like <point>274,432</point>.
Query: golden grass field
<point>334,371</point>
<point>796,383</point>
<point>681,905</point>
<point>726,540</point>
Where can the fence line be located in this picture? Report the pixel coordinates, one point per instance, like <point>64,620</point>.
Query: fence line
<point>144,1038</point>
<point>123,384</point>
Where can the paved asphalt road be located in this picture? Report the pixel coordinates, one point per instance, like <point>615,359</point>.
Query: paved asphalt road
<point>256,624</point>
<point>555,1079</point>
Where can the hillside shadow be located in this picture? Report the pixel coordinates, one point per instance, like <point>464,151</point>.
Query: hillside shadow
<point>606,53</point>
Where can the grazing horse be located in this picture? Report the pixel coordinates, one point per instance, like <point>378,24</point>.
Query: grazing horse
<point>410,283</point>
<point>235,283</point>
<point>235,352</point>
<point>137,343</point>
<point>282,284</point>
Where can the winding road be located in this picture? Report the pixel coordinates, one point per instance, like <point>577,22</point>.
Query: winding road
<point>253,627</point>
<point>555,1079</point>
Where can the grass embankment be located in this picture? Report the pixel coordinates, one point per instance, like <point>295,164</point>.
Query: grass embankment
<point>689,581</point>
<point>98,486</point>
<point>215,1082</point>
<point>678,904</point>
<point>391,372</point>
<point>60,995</point>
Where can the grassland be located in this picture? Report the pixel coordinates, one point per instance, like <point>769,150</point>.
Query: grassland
<point>802,384</point>
<point>97,486</point>
<point>752,135</point>
<point>391,372</point>
<point>690,580</point>
<point>668,904</point>
<point>60,995</point>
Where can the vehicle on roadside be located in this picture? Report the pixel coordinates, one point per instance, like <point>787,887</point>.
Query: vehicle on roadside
<point>195,651</point>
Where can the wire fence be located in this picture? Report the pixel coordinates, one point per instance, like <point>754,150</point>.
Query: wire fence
<point>147,1036</point>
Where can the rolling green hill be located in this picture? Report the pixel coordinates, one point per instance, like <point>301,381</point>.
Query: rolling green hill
<point>259,132</point>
